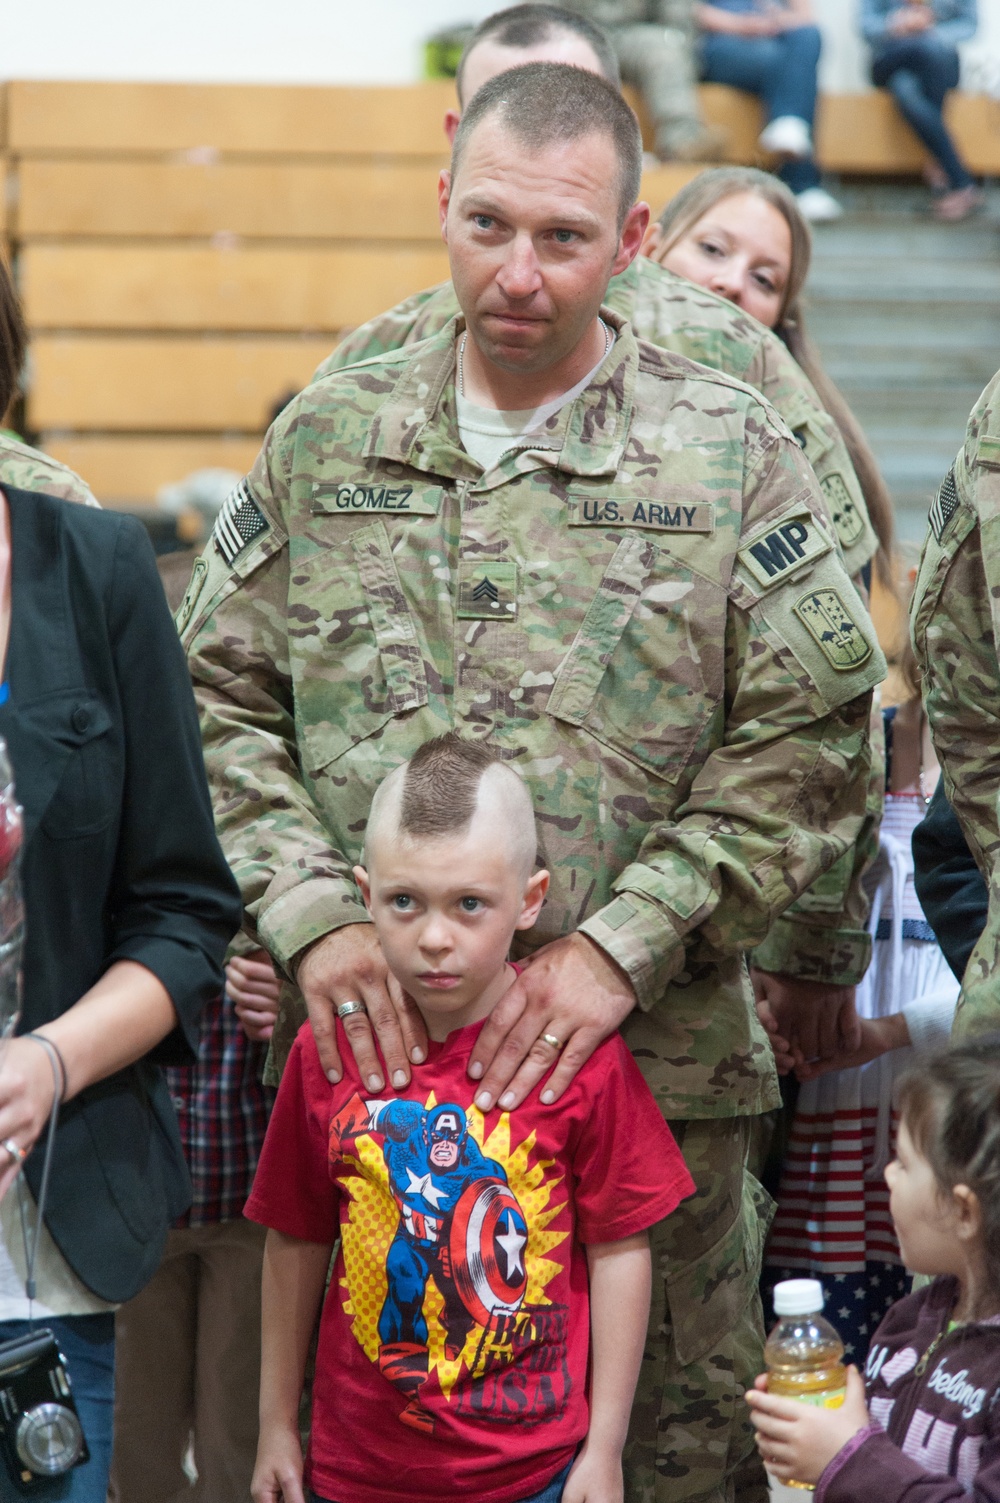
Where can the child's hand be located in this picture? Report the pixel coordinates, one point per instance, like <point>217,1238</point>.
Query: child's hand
<point>596,1478</point>
<point>799,1441</point>
<point>254,991</point>
<point>277,1476</point>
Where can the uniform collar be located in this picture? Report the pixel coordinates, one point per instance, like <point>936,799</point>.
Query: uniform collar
<point>417,424</point>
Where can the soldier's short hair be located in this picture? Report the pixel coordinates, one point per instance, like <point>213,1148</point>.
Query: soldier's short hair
<point>541,103</point>
<point>528,25</point>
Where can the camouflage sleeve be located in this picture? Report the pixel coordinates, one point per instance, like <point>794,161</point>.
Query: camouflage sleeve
<point>955,634</point>
<point>233,622</point>
<point>783,798</point>
<point>28,469</point>
<point>402,325</point>
<point>786,386</point>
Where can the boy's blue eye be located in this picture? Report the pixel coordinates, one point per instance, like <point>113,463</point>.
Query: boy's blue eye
<point>470,905</point>
<point>402,900</point>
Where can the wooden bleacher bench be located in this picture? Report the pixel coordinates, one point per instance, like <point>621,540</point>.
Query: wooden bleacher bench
<point>188,253</point>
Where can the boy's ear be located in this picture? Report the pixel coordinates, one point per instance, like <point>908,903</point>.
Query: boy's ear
<point>968,1213</point>
<point>534,897</point>
<point>361,878</point>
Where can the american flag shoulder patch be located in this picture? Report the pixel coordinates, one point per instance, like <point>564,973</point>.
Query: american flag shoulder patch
<point>238,523</point>
<point>944,505</point>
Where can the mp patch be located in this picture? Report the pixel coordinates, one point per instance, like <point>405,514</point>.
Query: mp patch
<point>828,620</point>
<point>239,522</point>
<point>848,523</point>
<point>944,505</point>
<point>487,590</point>
<point>774,554</point>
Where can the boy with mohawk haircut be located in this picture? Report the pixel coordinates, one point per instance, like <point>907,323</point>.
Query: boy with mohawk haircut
<point>458,1333</point>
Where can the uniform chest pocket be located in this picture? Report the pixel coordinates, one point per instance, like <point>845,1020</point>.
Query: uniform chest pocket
<point>356,655</point>
<point>645,670</point>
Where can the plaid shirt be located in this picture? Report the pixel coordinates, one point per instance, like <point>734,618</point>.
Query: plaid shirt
<point>222,1109</point>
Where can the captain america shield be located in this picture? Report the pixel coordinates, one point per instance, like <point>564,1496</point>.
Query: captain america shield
<point>489,1238</point>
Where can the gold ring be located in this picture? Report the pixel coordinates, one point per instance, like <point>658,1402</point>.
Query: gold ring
<point>552,1041</point>
<point>17,1153</point>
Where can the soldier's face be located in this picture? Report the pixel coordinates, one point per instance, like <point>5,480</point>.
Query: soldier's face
<point>533,241</point>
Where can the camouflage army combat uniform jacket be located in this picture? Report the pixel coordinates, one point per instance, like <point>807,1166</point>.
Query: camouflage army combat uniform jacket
<point>676,315</point>
<point>645,609</point>
<point>956,632</point>
<point>27,469</point>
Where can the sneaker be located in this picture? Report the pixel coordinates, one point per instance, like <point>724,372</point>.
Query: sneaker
<point>817,205</point>
<point>787,136</point>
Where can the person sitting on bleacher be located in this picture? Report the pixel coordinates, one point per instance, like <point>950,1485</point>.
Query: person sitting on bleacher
<point>772,50</point>
<point>915,57</point>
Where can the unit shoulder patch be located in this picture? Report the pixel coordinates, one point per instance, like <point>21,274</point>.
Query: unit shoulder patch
<point>848,522</point>
<point>775,554</point>
<point>840,638</point>
<point>239,522</point>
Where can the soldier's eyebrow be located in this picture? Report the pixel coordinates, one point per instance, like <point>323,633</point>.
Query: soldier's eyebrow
<point>475,201</point>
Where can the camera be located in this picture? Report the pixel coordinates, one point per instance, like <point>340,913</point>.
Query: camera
<point>40,1432</point>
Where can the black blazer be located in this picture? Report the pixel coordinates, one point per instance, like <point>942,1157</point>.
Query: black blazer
<point>121,860</point>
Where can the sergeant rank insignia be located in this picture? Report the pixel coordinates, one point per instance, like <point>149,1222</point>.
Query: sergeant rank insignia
<point>238,523</point>
<point>826,618</point>
<point>487,590</point>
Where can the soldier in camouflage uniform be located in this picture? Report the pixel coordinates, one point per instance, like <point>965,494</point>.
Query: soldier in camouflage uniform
<point>956,633</point>
<point>655,44</point>
<point>645,607</point>
<point>28,469</point>
<point>809,969</point>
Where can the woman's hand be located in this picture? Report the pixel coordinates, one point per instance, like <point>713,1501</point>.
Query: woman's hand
<point>254,990</point>
<point>27,1091</point>
<point>909,20</point>
<point>798,1440</point>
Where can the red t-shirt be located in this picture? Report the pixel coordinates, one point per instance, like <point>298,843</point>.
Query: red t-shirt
<point>454,1338</point>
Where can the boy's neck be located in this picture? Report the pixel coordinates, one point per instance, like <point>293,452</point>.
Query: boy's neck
<point>441,1024</point>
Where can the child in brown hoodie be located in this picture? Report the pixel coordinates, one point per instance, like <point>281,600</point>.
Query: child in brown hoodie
<point>924,1426</point>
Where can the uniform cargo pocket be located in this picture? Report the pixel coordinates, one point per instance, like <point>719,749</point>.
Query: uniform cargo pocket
<point>708,1298</point>
<point>645,670</point>
<point>355,652</point>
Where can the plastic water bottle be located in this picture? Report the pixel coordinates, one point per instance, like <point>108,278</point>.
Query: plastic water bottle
<point>804,1354</point>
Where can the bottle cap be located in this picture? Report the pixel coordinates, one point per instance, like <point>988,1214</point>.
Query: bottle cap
<point>798,1297</point>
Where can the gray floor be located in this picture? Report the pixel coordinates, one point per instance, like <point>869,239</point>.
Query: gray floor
<point>906,313</point>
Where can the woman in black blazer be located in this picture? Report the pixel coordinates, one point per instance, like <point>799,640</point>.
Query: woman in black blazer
<point>129,907</point>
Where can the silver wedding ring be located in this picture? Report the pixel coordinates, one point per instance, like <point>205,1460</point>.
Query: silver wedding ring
<point>17,1153</point>
<point>552,1041</point>
<point>345,1010</point>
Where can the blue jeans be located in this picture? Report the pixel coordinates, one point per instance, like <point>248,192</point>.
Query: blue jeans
<point>550,1494</point>
<point>918,72</point>
<point>88,1344</point>
<point>781,70</point>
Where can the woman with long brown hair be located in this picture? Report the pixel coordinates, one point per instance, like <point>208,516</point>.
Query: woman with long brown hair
<point>740,233</point>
